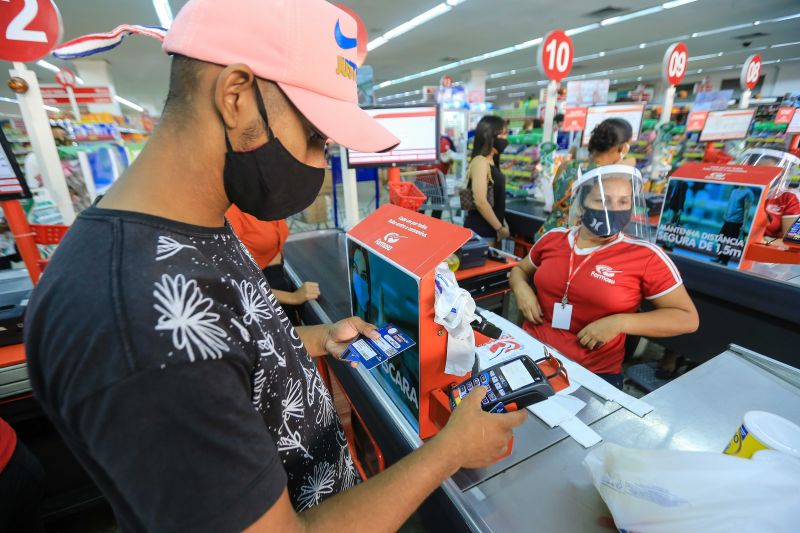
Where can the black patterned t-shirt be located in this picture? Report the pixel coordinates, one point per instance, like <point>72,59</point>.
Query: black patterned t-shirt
<point>170,369</point>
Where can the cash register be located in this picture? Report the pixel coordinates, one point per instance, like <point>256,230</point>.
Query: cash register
<point>473,253</point>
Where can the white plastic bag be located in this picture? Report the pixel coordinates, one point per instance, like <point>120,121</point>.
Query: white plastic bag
<point>666,491</point>
<point>454,309</point>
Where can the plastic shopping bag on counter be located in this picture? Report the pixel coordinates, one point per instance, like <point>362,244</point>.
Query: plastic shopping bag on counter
<point>454,309</point>
<point>664,491</point>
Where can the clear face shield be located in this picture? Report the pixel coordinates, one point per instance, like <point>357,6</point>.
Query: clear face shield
<point>765,157</point>
<point>608,200</point>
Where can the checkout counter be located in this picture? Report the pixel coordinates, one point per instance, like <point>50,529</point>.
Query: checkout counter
<point>543,480</point>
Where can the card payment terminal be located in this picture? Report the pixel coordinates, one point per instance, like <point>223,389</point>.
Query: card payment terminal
<point>513,384</point>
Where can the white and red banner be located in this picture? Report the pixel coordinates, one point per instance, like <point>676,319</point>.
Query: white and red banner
<point>58,95</point>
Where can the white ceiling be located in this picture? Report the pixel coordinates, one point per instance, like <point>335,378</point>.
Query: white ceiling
<point>140,69</point>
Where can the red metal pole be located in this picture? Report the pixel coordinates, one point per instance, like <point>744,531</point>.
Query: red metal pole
<point>24,235</point>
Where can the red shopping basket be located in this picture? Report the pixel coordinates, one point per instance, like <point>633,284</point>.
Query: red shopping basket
<point>47,234</point>
<point>406,195</point>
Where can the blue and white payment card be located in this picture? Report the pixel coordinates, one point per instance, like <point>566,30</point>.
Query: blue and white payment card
<point>373,352</point>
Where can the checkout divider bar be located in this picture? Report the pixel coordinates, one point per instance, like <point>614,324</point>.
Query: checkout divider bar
<point>456,496</point>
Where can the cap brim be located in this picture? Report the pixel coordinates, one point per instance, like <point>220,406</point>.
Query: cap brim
<point>344,122</point>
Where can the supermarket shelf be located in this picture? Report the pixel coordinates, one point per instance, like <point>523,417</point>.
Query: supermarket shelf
<point>517,173</point>
<point>520,158</point>
<point>131,130</point>
<point>765,139</point>
<point>106,138</point>
<point>18,140</point>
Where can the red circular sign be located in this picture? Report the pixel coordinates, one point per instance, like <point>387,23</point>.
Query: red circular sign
<point>361,36</point>
<point>751,72</point>
<point>676,61</point>
<point>66,78</point>
<point>29,29</point>
<point>446,82</point>
<point>555,55</point>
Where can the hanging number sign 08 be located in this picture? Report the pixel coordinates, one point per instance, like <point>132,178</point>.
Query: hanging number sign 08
<point>29,29</point>
<point>751,73</point>
<point>555,55</point>
<point>676,60</point>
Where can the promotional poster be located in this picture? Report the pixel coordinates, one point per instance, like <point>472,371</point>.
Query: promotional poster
<point>381,294</point>
<point>711,212</point>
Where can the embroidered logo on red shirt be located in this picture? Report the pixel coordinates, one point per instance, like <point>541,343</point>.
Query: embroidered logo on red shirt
<point>605,273</point>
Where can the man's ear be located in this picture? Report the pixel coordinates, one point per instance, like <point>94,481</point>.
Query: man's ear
<point>233,83</point>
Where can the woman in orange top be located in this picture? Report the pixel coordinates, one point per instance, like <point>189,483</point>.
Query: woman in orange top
<point>264,241</point>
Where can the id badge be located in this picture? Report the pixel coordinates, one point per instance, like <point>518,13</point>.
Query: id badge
<point>562,315</point>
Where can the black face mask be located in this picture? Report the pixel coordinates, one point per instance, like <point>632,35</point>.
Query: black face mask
<point>500,145</point>
<point>269,182</point>
<point>596,222</point>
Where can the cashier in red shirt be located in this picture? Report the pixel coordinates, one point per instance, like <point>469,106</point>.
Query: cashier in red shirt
<point>783,199</point>
<point>590,279</point>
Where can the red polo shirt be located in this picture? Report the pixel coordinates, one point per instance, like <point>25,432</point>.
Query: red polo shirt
<point>785,205</point>
<point>615,279</point>
<point>8,443</point>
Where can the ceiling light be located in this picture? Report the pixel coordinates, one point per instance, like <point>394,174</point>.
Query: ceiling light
<point>432,13</point>
<point>534,42</point>
<point>582,29</point>
<point>375,43</point>
<point>787,17</point>
<point>721,30</point>
<point>9,100</point>
<point>699,71</point>
<point>781,45</point>
<point>128,103</point>
<point>164,12</point>
<point>630,16</point>
<point>53,109</point>
<point>756,23</point>
<point>517,95</point>
<point>80,80</point>
<point>601,54</point>
<point>676,3</point>
<point>638,78</point>
<point>49,66</point>
<point>409,25</point>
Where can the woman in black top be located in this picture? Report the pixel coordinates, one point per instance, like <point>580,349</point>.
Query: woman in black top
<point>487,220</point>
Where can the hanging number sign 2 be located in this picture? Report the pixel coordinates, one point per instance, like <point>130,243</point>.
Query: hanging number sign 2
<point>751,73</point>
<point>29,29</point>
<point>676,60</point>
<point>555,55</point>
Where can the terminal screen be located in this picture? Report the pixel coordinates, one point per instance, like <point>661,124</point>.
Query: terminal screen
<point>416,127</point>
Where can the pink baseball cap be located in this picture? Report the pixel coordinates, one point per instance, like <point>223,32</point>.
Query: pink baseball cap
<point>308,47</point>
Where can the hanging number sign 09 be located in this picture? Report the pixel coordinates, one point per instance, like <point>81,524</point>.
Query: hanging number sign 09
<point>676,60</point>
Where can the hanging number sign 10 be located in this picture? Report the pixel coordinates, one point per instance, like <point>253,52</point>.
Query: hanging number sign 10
<point>676,61</point>
<point>555,55</point>
<point>751,73</point>
<point>29,29</point>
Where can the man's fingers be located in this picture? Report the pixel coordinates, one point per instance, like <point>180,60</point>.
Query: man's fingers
<point>514,418</point>
<point>365,328</point>
<point>476,395</point>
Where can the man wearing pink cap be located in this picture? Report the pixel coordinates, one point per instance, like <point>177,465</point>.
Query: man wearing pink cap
<point>155,344</point>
